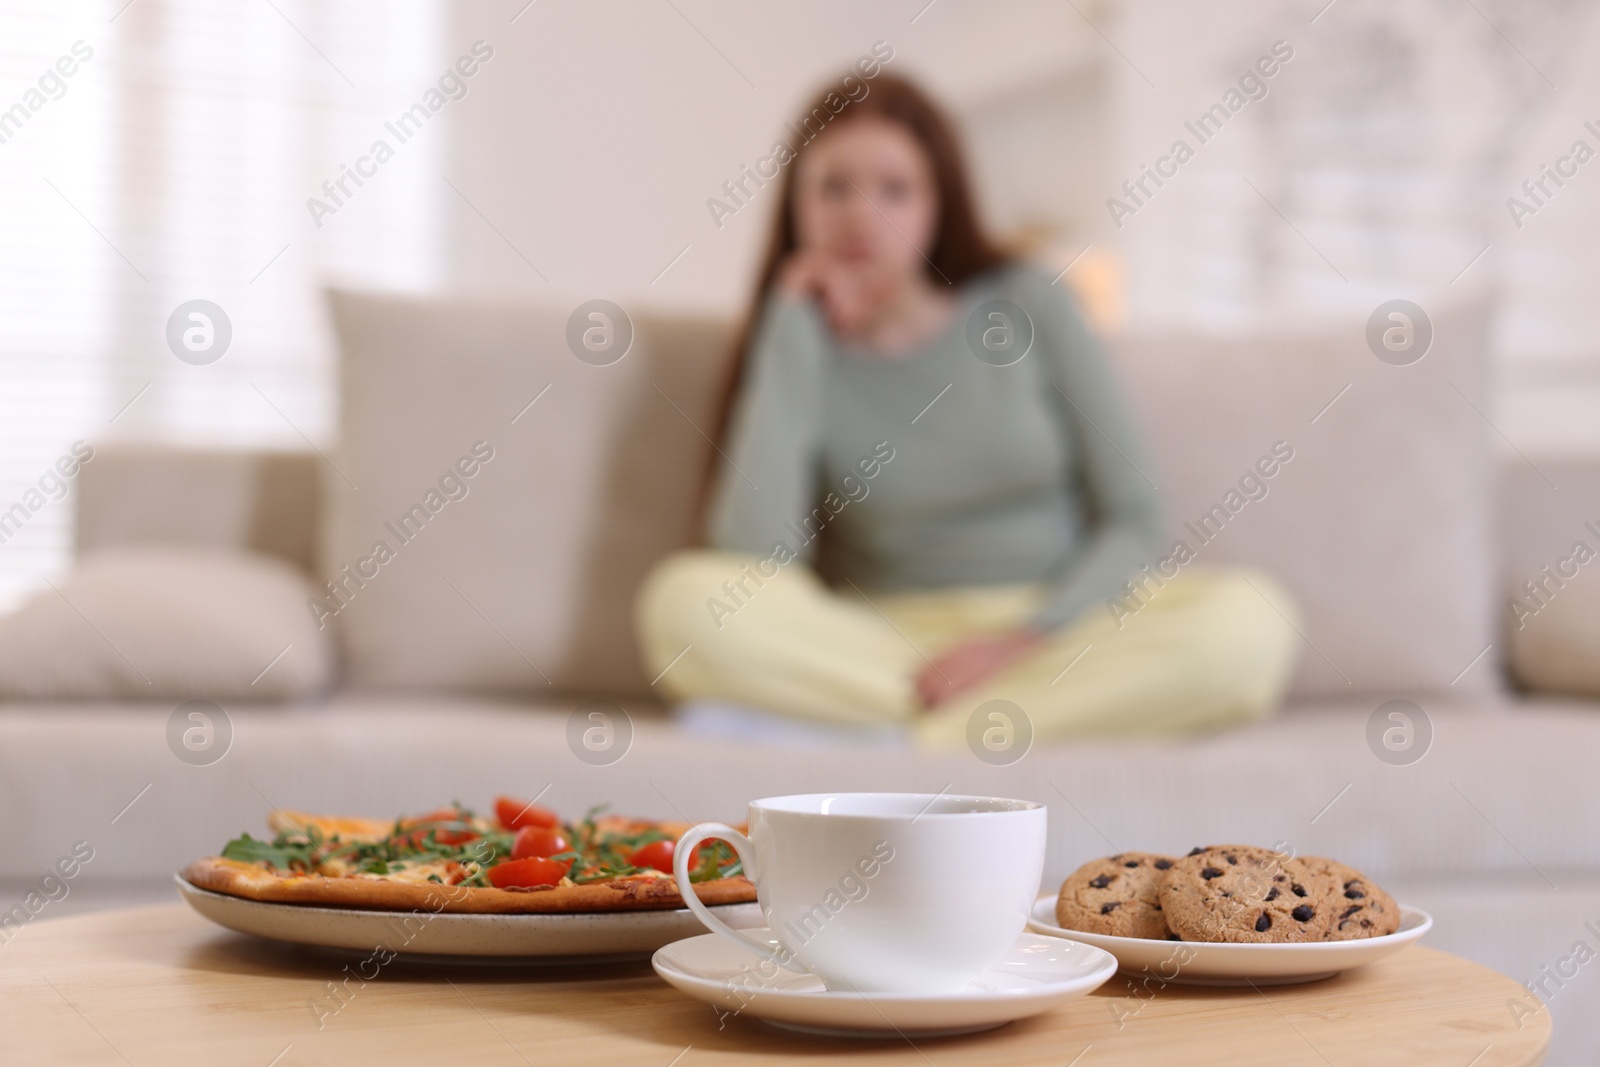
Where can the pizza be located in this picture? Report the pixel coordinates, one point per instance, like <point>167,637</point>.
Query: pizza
<point>523,859</point>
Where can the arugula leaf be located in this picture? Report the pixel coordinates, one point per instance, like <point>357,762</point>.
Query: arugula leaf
<point>289,850</point>
<point>714,864</point>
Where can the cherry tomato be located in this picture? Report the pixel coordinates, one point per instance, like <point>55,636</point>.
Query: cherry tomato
<point>528,873</point>
<point>453,836</point>
<point>657,854</point>
<point>514,814</point>
<point>537,841</point>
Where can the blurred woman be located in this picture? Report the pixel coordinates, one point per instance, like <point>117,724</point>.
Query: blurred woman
<point>930,499</point>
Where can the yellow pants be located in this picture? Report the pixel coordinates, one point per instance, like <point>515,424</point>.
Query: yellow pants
<point>1212,647</point>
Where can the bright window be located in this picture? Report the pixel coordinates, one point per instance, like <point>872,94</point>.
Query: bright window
<point>174,163</point>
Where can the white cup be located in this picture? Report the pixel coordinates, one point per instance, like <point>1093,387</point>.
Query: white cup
<point>883,892</point>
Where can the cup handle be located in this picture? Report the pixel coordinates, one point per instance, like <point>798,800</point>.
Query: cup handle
<point>684,851</point>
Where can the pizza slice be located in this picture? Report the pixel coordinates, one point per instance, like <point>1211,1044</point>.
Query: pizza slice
<point>523,859</point>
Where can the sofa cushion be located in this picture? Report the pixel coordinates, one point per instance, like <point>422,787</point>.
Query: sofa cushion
<point>1379,524</point>
<point>521,574</point>
<point>168,622</point>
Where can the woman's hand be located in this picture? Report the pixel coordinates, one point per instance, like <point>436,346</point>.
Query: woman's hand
<point>971,662</point>
<point>851,295</point>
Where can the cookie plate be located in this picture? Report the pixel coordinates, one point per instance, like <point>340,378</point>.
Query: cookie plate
<point>1208,963</point>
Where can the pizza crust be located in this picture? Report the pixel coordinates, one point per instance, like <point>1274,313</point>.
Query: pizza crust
<point>255,882</point>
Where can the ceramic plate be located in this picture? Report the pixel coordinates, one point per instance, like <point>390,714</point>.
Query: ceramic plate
<point>1037,974</point>
<point>447,937</point>
<point>1206,963</point>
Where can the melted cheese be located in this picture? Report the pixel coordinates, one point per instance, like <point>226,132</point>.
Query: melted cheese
<point>346,829</point>
<point>448,872</point>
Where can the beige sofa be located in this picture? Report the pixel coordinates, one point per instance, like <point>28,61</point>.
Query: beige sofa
<point>463,658</point>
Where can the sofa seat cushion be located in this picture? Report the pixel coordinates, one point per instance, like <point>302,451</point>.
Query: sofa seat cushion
<point>1503,788</point>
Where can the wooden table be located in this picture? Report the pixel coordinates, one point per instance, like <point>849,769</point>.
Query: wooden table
<point>161,986</point>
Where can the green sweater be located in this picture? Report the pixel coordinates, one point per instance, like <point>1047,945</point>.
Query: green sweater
<point>938,468</point>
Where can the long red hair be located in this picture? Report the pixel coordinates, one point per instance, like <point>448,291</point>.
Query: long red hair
<point>961,249</point>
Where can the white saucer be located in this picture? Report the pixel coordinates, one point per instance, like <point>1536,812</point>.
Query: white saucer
<point>1209,963</point>
<point>1035,975</point>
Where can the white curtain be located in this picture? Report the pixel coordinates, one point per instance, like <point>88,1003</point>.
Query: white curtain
<point>162,151</point>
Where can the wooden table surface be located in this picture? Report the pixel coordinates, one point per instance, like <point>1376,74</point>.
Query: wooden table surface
<point>161,986</point>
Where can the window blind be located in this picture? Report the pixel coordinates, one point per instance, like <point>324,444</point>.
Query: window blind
<point>162,152</point>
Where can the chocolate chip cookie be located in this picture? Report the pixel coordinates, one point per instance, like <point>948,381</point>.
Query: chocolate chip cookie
<point>1240,893</point>
<point>1118,895</point>
<point>1361,908</point>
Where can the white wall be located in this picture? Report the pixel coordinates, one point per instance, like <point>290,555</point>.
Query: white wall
<point>596,135</point>
<point>1387,148</point>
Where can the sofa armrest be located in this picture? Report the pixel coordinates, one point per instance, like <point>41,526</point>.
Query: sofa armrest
<point>1540,522</point>
<point>266,502</point>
